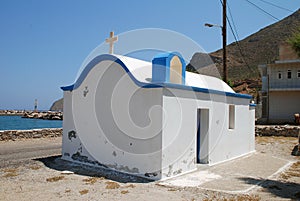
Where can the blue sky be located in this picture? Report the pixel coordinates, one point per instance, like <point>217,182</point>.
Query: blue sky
<point>44,42</point>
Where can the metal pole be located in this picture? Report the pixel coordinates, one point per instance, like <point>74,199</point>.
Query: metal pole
<point>224,30</point>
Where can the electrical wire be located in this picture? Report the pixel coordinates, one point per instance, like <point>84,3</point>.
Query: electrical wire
<point>239,46</point>
<point>259,8</point>
<point>272,4</point>
<point>231,17</point>
<point>236,36</point>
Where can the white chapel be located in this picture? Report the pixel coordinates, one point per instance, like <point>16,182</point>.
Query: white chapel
<point>153,119</point>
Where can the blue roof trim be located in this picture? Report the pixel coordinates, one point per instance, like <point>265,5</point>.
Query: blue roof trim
<point>110,57</point>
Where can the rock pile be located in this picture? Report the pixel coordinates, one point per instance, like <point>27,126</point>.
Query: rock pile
<point>277,130</point>
<point>11,112</point>
<point>28,134</point>
<point>44,115</point>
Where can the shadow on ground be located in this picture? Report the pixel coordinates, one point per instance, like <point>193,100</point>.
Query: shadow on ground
<point>278,188</point>
<point>56,163</point>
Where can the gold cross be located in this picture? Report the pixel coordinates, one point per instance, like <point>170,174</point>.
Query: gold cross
<point>111,41</point>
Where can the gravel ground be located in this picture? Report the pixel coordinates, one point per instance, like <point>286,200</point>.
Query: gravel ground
<point>45,179</point>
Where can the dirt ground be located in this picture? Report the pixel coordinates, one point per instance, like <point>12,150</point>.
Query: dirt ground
<point>46,179</point>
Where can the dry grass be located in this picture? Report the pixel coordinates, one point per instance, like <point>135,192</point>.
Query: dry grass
<point>11,172</point>
<point>35,167</point>
<point>172,189</point>
<point>112,185</point>
<point>130,186</point>
<point>92,180</point>
<point>263,140</point>
<point>124,192</point>
<point>296,165</point>
<point>84,191</point>
<point>272,139</point>
<point>293,171</point>
<point>248,198</point>
<point>54,179</point>
<point>237,198</point>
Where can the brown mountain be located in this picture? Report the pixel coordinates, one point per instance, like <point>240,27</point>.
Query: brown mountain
<point>258,48</point>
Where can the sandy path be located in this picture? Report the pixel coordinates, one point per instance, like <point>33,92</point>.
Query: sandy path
<point>13,152</point>
<point>43,179</point>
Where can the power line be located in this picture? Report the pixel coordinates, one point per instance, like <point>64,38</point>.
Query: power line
<point>259,8</point>
<point>272,4</point>
<point>239,46</point>
<point>236,36</point>
<point>235,29</point>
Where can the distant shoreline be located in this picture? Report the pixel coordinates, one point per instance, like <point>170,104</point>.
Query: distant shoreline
<point>46,115</point>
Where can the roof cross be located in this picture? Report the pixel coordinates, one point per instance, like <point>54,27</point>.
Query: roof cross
<point>111,41</point>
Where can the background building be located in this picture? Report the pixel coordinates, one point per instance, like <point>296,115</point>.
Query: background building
<point>281,87</point>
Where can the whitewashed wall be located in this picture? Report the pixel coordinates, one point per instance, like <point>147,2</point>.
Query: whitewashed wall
<point>180,129</point>
<point>117,123</point>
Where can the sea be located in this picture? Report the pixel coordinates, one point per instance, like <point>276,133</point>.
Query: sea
<point>19,123</point>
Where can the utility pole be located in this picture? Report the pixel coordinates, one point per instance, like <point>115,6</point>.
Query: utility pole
<point>224,39</point>
<point>224,34</point>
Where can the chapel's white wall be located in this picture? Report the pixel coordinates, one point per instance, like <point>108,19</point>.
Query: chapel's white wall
<point>178,139</point>
<point>231,143</point>
<point>117,122</point>
<point>224,144</point>
<point>70,142</point>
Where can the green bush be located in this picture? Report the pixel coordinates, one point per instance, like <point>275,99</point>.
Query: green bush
<point>230,83</point>
<point>294,41</point>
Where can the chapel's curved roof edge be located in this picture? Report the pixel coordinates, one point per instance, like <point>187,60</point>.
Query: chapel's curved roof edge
<point>114,58</point>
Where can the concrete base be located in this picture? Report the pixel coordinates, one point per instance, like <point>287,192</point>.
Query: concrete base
<point>238,176</point>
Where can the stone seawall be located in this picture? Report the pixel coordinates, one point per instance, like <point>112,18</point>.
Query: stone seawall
<point>46,115</point>
<point>276,130</point>
<point>29,134</point>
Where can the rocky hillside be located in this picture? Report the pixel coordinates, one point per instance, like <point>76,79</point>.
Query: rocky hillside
<point>57,105</point>
<point>258,48</point>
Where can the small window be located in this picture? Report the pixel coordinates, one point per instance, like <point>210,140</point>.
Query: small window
<point>289,74</point>
<point>231,116</point>
<point>298,74</point>
<point>279,75</point>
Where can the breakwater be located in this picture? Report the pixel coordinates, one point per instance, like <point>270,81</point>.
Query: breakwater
<point>46,115</point>
<point>12,112</point>
<point>49,115</point>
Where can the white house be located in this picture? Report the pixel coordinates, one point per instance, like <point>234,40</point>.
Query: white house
<point>153,119</point>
